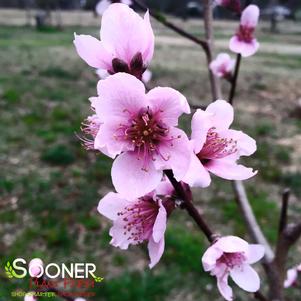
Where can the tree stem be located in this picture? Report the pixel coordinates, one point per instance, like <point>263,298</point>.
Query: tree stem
<point>188,205</point>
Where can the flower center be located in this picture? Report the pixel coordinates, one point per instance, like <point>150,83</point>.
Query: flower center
<point>216,147</point>
<point>245,33</point>
<point>145,131</point>
<point>232,259</point>
<point>139,219</point>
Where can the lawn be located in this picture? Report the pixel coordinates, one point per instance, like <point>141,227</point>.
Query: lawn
<point>50,186</point>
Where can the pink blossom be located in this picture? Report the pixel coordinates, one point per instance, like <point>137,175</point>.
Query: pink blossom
<point>80,299</point>
<point>222,66</point>
<point>141,130</point>
<point>30,297</point>
<point>36,267</point>
<point>230,4</point>
<point>127,42</point>
<point>216,148</point>
<point>292,276</point>
<point>244,41</point>
<point>139,220</point>
<point>232,256</point>
<point>103,5</point>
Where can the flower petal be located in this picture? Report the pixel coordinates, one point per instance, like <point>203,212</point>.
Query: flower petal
<point>164,188</point>
<point>222,114</point>
<point>255,253</point>
<point>106,142</point>
<point>200,125</point>
<point>229,169</point>
<point>232,244</point>
<point>119,239</point>
<point>111,204</point>
<point>210,257</point>
<point>101,6</point>
<point>160,224</point>
<point>130,180</point>
<point>245,49</point>
<point>246,278</point>
<point>155,251</point>
<point>250,16</point>
<point>120,96</point>
<point>92,51</point>
<point>224,288</point>
<point>127,33</point>
<point>174,154</point>
<point>197,175</point>
<point>291,277</point>
<point>169,103</point>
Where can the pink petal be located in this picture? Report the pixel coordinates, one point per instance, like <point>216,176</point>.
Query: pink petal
<point>231,244</point>
<point>210,257</point>
<point>126,33</point>
<point>102,73</point>
<point>160,224</point>
<point>200,124</point>
<point>255,253</point>
<point>245,49</point>
<point>119,240</point>
<point>120,96</point>
<point>101,6</point>
<point>245,144</point>
<point>246,278</point>
<point>197,175</point>
<point>174,154</point>
<point>111,204</point>
<point>155,251</point>
<point>230,170</point>
<point>130,180</point>
<point>291,277</point>
<point>169,103</point>
<point>147,76</point>
<point>222,114</point>
<point>164,188</point>
<point>92,51</point>
<point>224,288</point>
<point>106,142</point>
<point>148,53</point>
<point>250,16</point>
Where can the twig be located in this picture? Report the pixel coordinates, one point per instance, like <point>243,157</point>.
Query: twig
<point>249,217</point>
<point>208,17</point>
<point>259,296</point>
<point>160,18</point>
<point>188,205</point>
<point>283,215</point>
<point>234,79</point>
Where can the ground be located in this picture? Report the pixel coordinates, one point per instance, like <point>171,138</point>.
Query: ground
<point>50,186</point>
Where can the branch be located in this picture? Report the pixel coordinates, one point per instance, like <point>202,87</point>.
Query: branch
<point>283,215</point>
<point>160,18</point>
<point>259,296</point>
<point>234,79</point>
<point>208,17</point>
<point>249,217</point>
<point>188,205</point>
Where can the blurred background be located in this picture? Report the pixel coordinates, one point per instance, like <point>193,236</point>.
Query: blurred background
<point>50,186</point>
